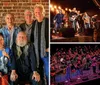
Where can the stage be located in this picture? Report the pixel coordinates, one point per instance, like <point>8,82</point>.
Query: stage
<point>72,39</point>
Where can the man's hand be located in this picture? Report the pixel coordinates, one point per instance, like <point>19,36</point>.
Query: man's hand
<point>47,50</point>
<point>13,76</point>
<point>36,76</point>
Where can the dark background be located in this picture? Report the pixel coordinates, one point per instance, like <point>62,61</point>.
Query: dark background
<point>82,5</point>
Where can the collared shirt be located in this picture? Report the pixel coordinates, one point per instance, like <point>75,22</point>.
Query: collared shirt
<point>11,32</point>
<point>9,36</point>
<point>28,31</point>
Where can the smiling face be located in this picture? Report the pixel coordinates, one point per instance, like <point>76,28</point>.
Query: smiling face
<point>9,19</point>
<point>38,12</point>
<point>28,16</point>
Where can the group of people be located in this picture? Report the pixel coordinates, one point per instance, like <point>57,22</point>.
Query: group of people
<point>24,49</point>
<point>76,60</point>
<point>75,19</point>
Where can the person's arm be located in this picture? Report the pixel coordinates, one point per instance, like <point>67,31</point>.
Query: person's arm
<point>13,75</point>
<point>54,19</point>
<point>13,60</point>
<point>35,75</point>
<point>32,57</point>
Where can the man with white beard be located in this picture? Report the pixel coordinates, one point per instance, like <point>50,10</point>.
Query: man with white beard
<point>24,67</point>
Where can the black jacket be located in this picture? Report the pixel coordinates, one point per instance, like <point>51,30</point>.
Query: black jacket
<point>29,64</point>
<point>46,32</point>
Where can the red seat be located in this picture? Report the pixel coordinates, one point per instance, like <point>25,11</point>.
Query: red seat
<point>4,80</point>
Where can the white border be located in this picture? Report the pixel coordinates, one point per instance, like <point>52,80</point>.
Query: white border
<point>49,42</point>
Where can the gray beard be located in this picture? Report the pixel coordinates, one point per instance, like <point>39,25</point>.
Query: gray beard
<point>21,44</point>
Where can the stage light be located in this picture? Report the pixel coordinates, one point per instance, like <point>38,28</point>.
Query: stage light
<point>57,11</point>
<point>70,10</point>
<point>55,6</point>
<point>63,11</point>
<point>51,5</point>
<point>59,7</point>
<point>66,9</point>
<point>52,9</point>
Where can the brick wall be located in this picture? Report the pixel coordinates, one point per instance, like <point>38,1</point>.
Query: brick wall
<point>17,7</point>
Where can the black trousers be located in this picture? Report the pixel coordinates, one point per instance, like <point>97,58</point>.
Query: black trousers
<point>41,72</point>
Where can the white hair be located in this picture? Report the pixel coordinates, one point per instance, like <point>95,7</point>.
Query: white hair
<point>27,10</point>
<point>41,7</point>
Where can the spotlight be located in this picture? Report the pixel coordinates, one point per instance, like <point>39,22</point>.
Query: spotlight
<point>70,10</point>
<point>66,9</point>
<point>55,7</point>
<point>52,9</point>
<point>59,7</point>
<point>57,11</point>
<point>51,6</point>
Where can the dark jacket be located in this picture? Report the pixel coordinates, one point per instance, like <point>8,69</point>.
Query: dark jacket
<point>46,32</point>
<point>59,18</point>
<point>29,64</point>
<point>22,26</point>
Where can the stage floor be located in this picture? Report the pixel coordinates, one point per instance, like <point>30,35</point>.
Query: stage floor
<point>72,39</point>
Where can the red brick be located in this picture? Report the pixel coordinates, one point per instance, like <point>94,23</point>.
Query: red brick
<point>18,7</point>
<point>5,0</point>
<point>26,4</point>
<point>5,3</point>
<point>35,0</point>
<point>23,0</point>
<point>7,7</point>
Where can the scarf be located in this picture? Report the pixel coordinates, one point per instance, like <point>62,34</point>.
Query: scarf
<point>42,43</point>
<point>19,52</point>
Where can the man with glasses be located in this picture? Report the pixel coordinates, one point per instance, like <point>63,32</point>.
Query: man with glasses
<point>27,25</point>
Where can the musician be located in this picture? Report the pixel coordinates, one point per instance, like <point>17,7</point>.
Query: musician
<point>86,19</point>
<point>58,20</point>
<point>80,22</point>
<point>94,21</point>
<point>72,18</point>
